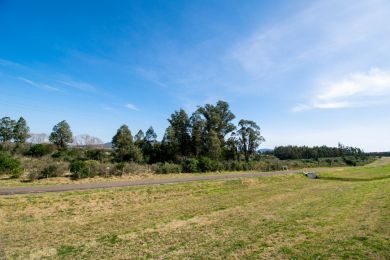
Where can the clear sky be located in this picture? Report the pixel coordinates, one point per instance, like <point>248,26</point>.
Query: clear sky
<point>308,72</point>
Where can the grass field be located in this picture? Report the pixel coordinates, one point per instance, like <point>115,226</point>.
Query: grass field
<point>344,214</point>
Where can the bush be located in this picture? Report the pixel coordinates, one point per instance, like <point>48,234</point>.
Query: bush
<point>120,168</point>
<point>190,165</point>
<point>351,161</point>
<point>51,170</point>
<point>44,168</point>
<point>167,168</point>
<point>207,165</point>
<point>134,168</point>
<point>97,155</point>
<point>69,155</point>
<point>84,169</point>
<point>10,166</point>
<point>39,150</point>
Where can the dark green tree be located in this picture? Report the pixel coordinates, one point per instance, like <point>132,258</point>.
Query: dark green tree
<point>231,151</point>
<point>61,135</point>
<point>213,145</point>
<point>249,137</point>
<point>6,129</point>
<point>169,146</point>
<point>197,133</point>
<point>150,146</point>
<point>150,135</point>
<point>219,119</point>
<point>139,138</point>
<point>180,125</point>
<point>123,146</point>
<point>21,131</point>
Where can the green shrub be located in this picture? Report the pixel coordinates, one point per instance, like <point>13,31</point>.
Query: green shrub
<point>69,155</point>
<point>135,168</point>
<point>10,166</point>
<point>351,161</point>
<point>164,168</point>
<point>39,150</point>
<point>44,168</point>
<point>207,165</point>
<point>53,170</point>
<point>120,168</point>
<point>97,155</point>
<point>84,169</point>
<point>190,165</point>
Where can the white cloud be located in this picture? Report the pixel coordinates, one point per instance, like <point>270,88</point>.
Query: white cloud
<point>131,107</point>
<point>355,90</point>
<point>38,85</point>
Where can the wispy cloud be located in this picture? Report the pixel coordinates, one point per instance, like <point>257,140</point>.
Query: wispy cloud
<point>131,107</point>
<point>150,75</point>
<point>354,90</point>
<point>322,33</point>
<point>78,85</point>
<point>38,85</point>
<point>11,64</point>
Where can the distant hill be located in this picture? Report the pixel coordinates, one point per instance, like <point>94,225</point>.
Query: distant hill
<point>78,140</point>
<point>265,150</point>
<point>38,138</point>
<point>86,140</point>
<point>108,145</point>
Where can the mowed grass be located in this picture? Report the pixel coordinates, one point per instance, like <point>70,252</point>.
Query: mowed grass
<point>344,214</point>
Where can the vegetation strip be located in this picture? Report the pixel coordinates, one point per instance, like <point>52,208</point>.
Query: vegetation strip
<point>88,186</point>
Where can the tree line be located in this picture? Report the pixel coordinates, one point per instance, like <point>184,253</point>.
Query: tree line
<point>209,132</point>
<point>305,152</point>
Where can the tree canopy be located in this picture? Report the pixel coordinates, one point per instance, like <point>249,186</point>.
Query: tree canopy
<point>123,146</point>
<point>21,131</point>
<point>61,135</point>
<point>6,129</point>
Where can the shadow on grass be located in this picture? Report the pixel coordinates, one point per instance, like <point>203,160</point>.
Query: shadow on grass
<point>25,181</point>
<point>353,179</point>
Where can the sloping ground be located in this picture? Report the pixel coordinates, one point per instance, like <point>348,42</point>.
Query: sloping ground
<point>344,214</point>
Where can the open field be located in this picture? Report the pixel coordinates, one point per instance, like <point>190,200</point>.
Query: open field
<point>344,214</point>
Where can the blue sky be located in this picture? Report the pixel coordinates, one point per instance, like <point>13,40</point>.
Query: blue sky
<point>308,72</point>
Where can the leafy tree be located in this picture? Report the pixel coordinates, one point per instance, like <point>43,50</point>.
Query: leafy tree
<point>249,137</point>
<point>6,129</point>
<point>150,147</point>
<point>219,119</point>
<point>20,131</point>
<point>197,125</point>
<point>139,138</point>
<point>124,148</point>
<point>169,145</point>
<point>213,145</point>
<point>150,136</point>
<point>61,135</point>
<point>122,139</point>
<point>180,125</point>
<point>231,148</point>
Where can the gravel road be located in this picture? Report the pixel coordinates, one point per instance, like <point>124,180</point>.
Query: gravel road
<point>106,185</point>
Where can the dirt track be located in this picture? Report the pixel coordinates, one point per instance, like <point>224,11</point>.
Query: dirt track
<point>105,185</point>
